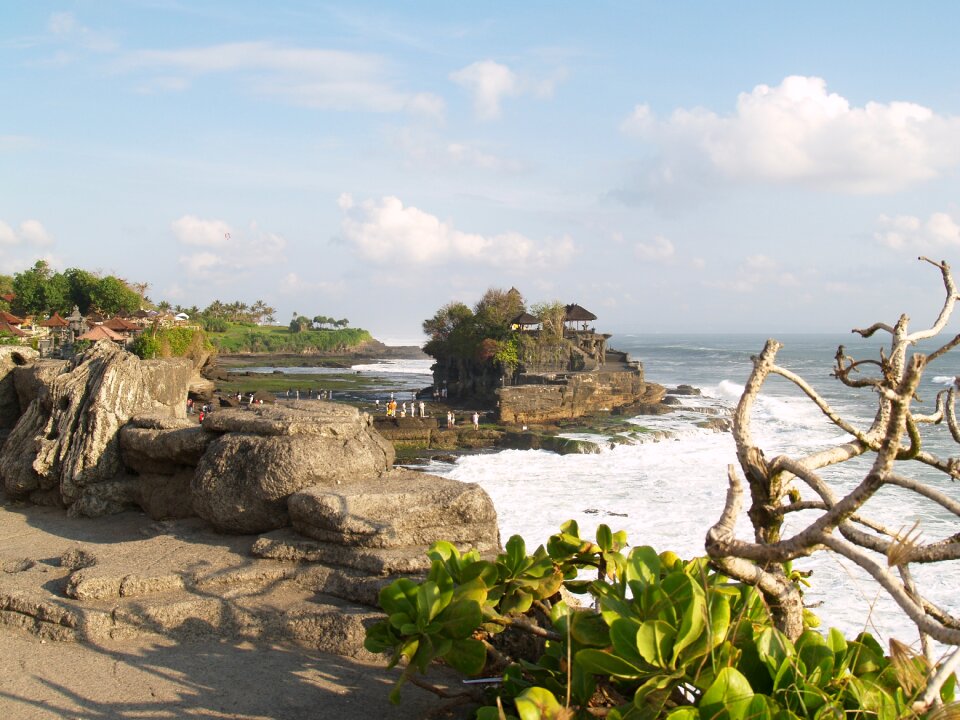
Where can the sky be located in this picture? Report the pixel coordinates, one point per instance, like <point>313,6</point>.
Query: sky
<point>762,167</point>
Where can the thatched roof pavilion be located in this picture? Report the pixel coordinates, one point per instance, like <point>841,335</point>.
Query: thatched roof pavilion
<point>525,319</point>
<point>575,313</point>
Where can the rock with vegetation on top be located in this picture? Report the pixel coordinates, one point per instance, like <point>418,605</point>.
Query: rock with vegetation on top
<point>267,453</point>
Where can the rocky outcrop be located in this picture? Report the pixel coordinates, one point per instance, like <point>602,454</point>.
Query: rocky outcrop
<point>66,443</point>
<point>399,509</point>
<point>552,398</point>
<point>11,357</point>
<point>267,453</point>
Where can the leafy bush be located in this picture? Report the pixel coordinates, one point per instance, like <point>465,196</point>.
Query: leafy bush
<point>664,638</point>
<point>171,342</point>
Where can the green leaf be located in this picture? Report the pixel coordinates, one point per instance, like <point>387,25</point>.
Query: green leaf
<point>655,643</point>
<point>430,601</point>
<point>729,696</point>
<point>474,590</point>
<point>605,538</point>
<point>380,637</point>
<point>692,623</point>
<point>684,713</point>
<point>400,596</point>
<point>603,663</point>
<point>536,703</point>
<point>623,637</point>
<point>589,629</point>
<point>816,657</point>
<point>467,655</point>
<point>516,553</point>
<point>460,619</point>
<point>773,647</point>
<point>643,565</point>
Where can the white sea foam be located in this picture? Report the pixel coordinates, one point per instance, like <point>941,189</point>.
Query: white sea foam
<point>668,492</point>
<point>402,367</point>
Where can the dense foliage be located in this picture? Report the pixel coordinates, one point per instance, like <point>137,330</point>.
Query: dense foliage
<point>239,337</point>
<point>660,637</point>
<point>40,291</point>
<point>171,342</point>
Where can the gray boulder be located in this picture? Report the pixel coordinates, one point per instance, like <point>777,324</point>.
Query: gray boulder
<point>400,509</point>
<point>267,453</point>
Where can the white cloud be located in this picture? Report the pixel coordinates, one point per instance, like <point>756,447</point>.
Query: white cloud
<point>226,254</point>
<point>328,79</point>
<point>65,27</point>
<point>34,233</point>
<point>755,273</point>
<point>7,236</point>
<point>659,250</point>
<point>906,232</point>
<point>489,82</point>
<point>294,284</point>
<point>387,232</point>
<point>799,133</point>
<point>30,232</point>
<point>191,230</point>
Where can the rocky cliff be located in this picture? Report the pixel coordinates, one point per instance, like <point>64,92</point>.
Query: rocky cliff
<point>551,398</point>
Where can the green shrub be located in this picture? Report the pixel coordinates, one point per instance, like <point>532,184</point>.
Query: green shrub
<point>660,637</point>
<point>171,342</point>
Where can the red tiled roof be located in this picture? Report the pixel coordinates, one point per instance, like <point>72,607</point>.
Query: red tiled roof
<point>54,321</point>
<point>12,329</point>
<point>99,332</point>
<point>9,318</point>
<point>120,325</point>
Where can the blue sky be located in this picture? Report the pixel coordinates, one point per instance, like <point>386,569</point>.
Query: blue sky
<point>688,167</point>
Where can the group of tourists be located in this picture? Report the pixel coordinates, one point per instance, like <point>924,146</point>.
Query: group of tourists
<point>391,408</point>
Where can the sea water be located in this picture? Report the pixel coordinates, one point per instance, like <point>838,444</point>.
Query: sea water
<point>668,493</point>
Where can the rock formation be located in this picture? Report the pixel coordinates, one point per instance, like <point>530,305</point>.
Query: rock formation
<point>264,455</point>
<point>107,431</point>
<point>65,447</point>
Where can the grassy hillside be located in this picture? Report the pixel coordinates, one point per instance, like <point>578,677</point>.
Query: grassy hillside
<point>242,338</point>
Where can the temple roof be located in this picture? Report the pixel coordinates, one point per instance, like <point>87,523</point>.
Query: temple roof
<point>12,329</point>
<point>54,321</point>
<point>10,318</point>
<point>120,325</point>
<point>525,318</point>
<point>575,313</point>
<point>100,332</point>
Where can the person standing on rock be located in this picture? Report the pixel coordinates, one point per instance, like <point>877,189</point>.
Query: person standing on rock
<point>476,420</point>
<point>422,408</point>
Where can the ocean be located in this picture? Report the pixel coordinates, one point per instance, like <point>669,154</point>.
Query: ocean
<point>668,493</point>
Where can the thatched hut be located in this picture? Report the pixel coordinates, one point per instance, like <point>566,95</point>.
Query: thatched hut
<point>576,314</point>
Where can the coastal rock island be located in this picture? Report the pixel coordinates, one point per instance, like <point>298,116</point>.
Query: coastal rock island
<point>535,368</point>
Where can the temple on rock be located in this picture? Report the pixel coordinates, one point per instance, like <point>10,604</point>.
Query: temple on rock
<point>534,368</point>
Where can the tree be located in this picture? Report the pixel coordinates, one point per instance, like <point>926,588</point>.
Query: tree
<point>299,324</point>
<point>551,317</point>
<point>29,287</point>
<point>842,523</point>
<point>498,307</point>
<point>112,295</point>
<point>82,285</point>
<point>6,288</point>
